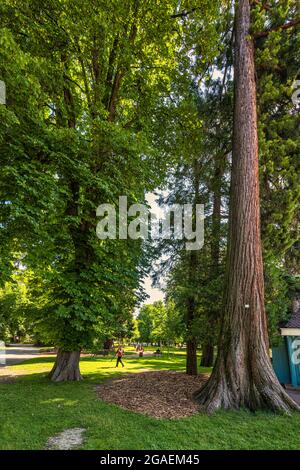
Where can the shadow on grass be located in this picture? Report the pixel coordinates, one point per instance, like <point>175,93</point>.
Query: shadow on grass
<point>95,369</point>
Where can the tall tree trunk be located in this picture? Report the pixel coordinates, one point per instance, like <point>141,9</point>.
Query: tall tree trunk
<point>207,358</point>
<point>108,344</point>
<point>243,375</point>
<point>216,215</point>
<point>213,315</point>
<point>191,356</point>
<point>191,343</point>
<point>66,367</point>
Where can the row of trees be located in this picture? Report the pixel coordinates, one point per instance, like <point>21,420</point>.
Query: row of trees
<point>160,323</point>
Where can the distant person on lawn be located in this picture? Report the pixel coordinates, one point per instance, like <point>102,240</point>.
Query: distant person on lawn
<point>141,351</point>
<point>120,353</point>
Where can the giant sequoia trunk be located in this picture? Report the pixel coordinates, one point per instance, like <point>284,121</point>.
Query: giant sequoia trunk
<point>66,367</point>
<point>243,375</point>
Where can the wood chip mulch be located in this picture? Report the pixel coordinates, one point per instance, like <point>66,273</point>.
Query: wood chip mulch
<point>163,394</point>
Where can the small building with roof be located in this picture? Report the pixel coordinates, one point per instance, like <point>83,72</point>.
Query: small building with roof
<point>286,356</point>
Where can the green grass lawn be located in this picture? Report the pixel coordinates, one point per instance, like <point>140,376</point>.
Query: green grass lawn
<point>33,409</point>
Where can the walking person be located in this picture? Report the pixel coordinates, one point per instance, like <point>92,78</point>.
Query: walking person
<point>120,354</point>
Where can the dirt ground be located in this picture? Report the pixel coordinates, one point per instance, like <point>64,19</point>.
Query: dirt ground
<point>160,394</point>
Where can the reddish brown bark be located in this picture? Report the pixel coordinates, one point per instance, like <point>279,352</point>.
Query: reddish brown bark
<point>243,375</point>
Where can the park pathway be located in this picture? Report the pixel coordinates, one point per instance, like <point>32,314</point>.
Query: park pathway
<point>16,353</point>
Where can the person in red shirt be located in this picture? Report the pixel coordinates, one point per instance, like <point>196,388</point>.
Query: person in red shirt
<point>120,354</point>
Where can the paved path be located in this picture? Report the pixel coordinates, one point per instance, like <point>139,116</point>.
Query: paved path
<point>295,395</point>
<point>16,353</point>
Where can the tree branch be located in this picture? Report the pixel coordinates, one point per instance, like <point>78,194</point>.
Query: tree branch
<point>264,6</point>
<point>120,73</point>
<point>85,78</point>
<point>75,83</point>
<point>184,13</point>
<point>282,27</point>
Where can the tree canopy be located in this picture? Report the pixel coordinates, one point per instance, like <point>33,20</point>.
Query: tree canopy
<point>109,99</point>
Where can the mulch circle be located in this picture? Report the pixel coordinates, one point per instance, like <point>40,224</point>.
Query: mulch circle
<point>160,394</point>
